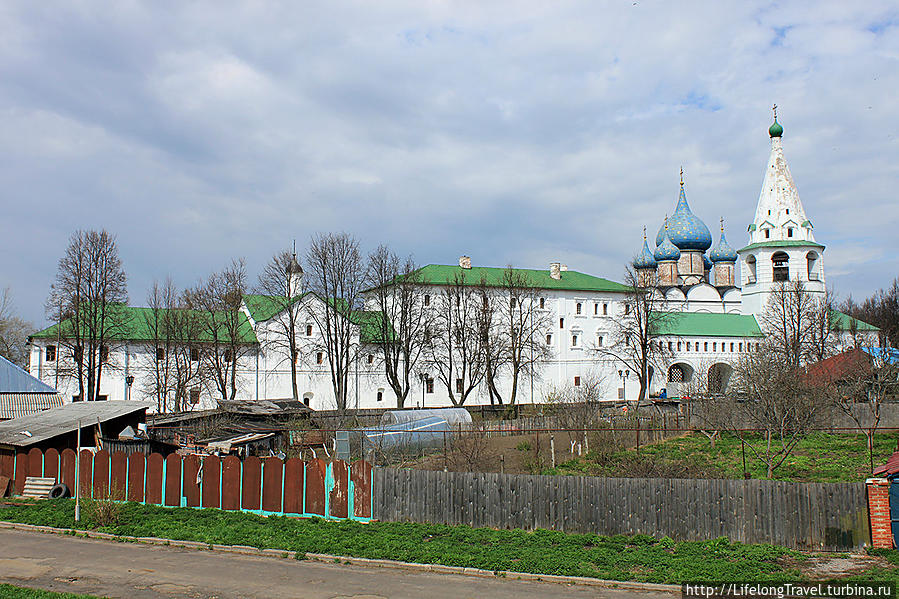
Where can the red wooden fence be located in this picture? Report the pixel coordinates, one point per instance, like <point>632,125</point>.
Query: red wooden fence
<point>272,485</point>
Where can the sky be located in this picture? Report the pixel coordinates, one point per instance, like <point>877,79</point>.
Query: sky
<point>516,133</point>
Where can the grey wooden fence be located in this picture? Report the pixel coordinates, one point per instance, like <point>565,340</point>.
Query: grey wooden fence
<point>818,516</point>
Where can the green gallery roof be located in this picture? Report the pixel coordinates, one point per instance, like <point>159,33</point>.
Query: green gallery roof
<point>782,244</point>
<point>571,280</point>
<point>844,322</point>
<point>263,307</point>
<point>704,324</point>
<point>138,326</point>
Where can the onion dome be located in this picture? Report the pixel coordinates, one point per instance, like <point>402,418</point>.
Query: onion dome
<point>723,252</point>
<point>775,130</point>
<point>294,267</point>
<point>685,229</point>
<point>645,259</point>
<point>666,251</point>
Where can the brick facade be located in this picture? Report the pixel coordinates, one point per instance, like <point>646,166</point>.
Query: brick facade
<point>879,512</point>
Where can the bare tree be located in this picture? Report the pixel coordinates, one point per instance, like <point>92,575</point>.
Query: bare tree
<point>336,273</point>
<point>576,407</point>
<point>281,281</point>
<point>712,412</point>
<point>13,332</point>
<point>866,379</point>
<point>789,322</point>
<point>224,327</point>
<point>400,324</point>
<point>512,334</point>
<point>778,401</point>
<point>637,333</point>
<point>91,290</point>
<point>881,310</point>
<point>457,350</point>
<point>824,329</point>
<point>174,347</point>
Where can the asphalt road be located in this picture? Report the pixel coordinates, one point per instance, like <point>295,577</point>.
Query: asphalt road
<point>138,571</point>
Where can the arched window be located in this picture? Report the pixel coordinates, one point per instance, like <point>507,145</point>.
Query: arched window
<point>812,258</point>
<point>676,374</point>
<point>750,265</point>
<point>781,264</point>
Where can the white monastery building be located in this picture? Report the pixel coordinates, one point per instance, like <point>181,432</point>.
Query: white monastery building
<point>716,319</point>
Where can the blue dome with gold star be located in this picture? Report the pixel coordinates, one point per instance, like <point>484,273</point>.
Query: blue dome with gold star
<point>723,252</point>
<point>685,229</point>
<point>645,259</point>
<point>666,251</point>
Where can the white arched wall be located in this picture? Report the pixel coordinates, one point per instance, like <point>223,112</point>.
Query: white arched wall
<point>704,298</point>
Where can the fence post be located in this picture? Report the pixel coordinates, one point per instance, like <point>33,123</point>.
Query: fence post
<point>552,450</point>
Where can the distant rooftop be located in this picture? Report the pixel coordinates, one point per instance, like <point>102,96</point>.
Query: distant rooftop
<point>15,380</point>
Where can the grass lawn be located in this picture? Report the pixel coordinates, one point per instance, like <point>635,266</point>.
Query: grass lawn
<point>640,558</point>
<point>820,457</point>
<point>8,591</point>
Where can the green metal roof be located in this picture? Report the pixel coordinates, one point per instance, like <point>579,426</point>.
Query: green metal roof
<point>370,326</point>
<point>571,280</point>
<point>137,327</point>
<point>843,322</point>
<point>703,324</point>
<point>263,307</point>
<point>775,244</point>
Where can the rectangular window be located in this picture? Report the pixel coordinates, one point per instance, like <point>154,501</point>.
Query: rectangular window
<point>430,385</point>
<point>669,346</point>
<point>705,346</point>
<point>512,303</point>
<point>740,347</point>
<point>309,330</point>
<point>577,381</point>
<point>319,358</point>
<point>194,355</point>
<point>627,309</point>
<point>104,353</point>
<point>160,354</point>
<point>380,395</point>
<point>561,323</point>
<point>715,346</point>
<point>195,395</point>
<point>549,339</point>
<point>605,309</point>
<point>574,341</point>
<point>599,341</point>
<point>459,385</point>
<point>542,302</point>
<point>679,346</point>
<point>51,353</point>
<point>767,233</point>
<point>595,309</point>
<point>427,300</point>
<point>731,347</point>
<point>790,232</point>
<point>227,355</point>
<point>577,308</point>
<point>688,346</point>
<point>371,358</point>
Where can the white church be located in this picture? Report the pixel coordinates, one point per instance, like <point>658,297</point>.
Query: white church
<point>717,318</point>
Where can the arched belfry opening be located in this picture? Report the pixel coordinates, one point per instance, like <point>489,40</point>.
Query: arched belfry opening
<point>780,262</point>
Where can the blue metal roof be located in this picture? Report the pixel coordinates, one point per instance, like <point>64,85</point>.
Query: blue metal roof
<point>15,380</point>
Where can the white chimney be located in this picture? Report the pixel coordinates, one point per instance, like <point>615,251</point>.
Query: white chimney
<point>564,268</point>
<point>555,270</point>
<point>465,262</point>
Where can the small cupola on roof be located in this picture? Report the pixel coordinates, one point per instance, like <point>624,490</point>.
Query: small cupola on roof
<point>723,252</point>
<point>685,229</point>
<point>666,251</point>
<point>645,259</point>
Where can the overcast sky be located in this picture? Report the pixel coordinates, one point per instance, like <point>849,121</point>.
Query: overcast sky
<point>517,133</point>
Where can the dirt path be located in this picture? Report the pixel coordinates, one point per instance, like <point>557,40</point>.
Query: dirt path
<point>133,570</point>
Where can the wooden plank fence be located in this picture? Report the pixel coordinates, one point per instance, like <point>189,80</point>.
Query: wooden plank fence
<point>816,516</point>
<point>268,486</point>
